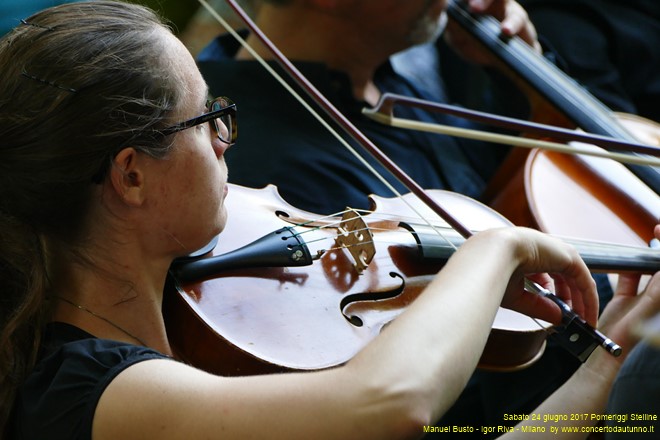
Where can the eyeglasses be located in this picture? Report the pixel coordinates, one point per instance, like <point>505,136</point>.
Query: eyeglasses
<point>222,116</point>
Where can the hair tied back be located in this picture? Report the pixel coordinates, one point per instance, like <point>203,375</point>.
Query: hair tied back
<point>27,23</point>
<point>50,83</point>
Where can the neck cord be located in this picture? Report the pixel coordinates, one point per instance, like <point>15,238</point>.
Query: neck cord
<point>85,309</point>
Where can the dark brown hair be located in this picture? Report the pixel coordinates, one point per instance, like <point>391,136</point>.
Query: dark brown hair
<point>78,83</point>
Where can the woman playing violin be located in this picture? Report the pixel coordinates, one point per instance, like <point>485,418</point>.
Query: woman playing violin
<point>113,165</point>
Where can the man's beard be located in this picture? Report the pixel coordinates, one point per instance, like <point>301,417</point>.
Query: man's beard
<point>426,29</point>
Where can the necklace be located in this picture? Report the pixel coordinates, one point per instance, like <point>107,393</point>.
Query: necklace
<point>96,315</point>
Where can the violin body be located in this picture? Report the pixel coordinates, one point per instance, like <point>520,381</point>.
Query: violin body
<point>272,319</point>
<point>591,198</point>
<point>251,317</point>
<point>264,319</point>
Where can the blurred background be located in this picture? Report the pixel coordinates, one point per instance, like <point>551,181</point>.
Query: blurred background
<point>191,22</point>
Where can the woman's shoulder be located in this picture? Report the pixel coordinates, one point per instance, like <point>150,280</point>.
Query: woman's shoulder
<point>59,397</point>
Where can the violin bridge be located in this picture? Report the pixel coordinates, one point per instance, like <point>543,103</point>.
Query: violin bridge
<point>354,236</point>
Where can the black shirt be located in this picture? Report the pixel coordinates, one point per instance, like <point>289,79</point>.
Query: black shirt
<point>59,398</point>
<point>612,47</point>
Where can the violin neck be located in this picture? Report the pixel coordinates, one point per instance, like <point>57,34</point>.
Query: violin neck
<point>599,256</point>
<point>615,258</point>
<point>566,95</point>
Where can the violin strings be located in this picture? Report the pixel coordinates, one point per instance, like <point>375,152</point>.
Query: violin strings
<point>373,215</point>
<point>437,228</point>
<point>365,229</point>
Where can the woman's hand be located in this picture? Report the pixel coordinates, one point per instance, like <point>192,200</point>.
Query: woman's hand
<point>555,266</point>
<point>627,310</point>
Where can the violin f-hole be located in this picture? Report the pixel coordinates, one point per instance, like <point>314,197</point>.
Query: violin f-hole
<point>370,296</point>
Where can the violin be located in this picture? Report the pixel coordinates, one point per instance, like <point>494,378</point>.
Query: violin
<point>605,200</point>
<point>314,290</point>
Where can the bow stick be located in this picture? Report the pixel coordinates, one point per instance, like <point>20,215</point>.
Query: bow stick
<point>578,329</point>
<point>383,112</point>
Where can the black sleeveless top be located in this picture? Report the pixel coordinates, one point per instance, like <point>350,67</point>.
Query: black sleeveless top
<point>59,398</point>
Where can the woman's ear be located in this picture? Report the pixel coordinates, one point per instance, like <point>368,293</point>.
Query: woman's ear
<point>127,178</point>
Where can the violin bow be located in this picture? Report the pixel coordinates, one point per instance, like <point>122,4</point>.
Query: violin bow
<point>383,112</point>
<point>580,338</point>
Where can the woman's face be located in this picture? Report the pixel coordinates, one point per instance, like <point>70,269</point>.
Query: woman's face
<point>190,184</point>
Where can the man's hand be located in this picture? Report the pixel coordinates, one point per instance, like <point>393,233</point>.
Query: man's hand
<point>514,21</point>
